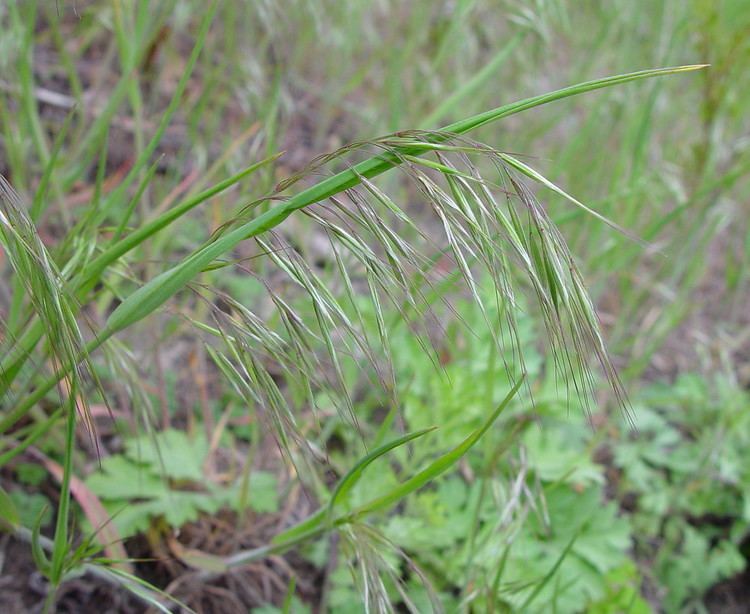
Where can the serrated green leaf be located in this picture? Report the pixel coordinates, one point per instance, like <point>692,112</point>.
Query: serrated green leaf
<point>179,456</point>
<point>121,478</point>
<point>264,496</point>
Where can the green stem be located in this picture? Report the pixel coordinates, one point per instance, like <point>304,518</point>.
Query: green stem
<point>60,544</point>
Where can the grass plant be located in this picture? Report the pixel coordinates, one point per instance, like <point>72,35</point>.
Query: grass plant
<point>294,278</point>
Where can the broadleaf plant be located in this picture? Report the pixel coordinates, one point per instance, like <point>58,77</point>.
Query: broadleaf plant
<point>161,478</point>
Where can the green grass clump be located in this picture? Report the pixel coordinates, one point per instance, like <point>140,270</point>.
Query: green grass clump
<point>362,323</point>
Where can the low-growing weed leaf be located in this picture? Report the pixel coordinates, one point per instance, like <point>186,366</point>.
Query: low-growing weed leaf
<point>162,477</point>
<point>553,457</point>
<point>121,478</point>
<point>180,455</point>
<point>264,496</point>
